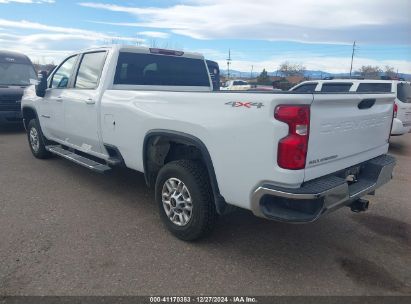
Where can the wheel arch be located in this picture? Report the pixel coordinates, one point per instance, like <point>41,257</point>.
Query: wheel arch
<point>28,114</point>
<point>154,136</point>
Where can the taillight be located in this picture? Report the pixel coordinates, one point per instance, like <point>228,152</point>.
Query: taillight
<point>292,149</point>
<point>395,110</point>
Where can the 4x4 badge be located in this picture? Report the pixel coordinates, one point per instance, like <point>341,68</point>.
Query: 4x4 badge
<point>249,105</point>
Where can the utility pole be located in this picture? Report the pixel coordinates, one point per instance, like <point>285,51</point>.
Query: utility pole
<point>251,74</point>
<point>352,57</point>
<point>228,64</point>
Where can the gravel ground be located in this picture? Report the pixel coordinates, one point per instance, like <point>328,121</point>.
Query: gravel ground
<point>67,231</point>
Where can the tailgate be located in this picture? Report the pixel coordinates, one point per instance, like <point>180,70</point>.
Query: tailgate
<point>347,129</point>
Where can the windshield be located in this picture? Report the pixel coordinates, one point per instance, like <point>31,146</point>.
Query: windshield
<point>16,74</point>
<point>404,92</point>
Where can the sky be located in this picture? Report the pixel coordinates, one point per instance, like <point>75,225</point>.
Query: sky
<point>260,34</point>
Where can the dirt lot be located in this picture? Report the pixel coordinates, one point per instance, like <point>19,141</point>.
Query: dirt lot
<point>67,231</point>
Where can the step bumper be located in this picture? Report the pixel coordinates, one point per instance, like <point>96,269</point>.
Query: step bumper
<point>323,195</point>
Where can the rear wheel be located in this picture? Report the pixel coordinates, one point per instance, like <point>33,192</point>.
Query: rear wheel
<point>184,196</point>
<point>37,140</point>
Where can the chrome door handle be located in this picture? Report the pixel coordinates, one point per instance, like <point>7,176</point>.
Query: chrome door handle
<point>59,99</point>
<point>90,101</point>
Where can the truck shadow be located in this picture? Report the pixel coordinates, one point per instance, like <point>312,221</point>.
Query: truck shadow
<point>334,242</point>
<point>397,148</point>
<point>399,145</point>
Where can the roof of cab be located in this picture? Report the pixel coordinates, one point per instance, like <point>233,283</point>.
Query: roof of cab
<point>13,57</point>
<point>141,49</point>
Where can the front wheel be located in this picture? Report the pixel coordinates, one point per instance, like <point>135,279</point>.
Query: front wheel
<point>184,196</point>
<point>37,140</point>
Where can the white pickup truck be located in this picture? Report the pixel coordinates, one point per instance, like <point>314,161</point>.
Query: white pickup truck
<point>289,157</point>
<point>236,85</point>
<point>401,89</point>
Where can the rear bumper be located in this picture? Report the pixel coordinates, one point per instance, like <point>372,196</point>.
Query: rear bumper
<point>320,196</point>
<point>10,117</point>
<point>399,128</point>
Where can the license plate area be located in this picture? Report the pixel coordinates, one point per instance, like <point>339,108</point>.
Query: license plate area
<point>351,175</point>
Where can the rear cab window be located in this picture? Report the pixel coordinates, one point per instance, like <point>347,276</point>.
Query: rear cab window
<point>333,87</point>
<point>306,88</point>
<point>160,70</point>
<point>374,87</point>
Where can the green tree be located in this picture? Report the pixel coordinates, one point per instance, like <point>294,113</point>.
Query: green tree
<point>263,78</point>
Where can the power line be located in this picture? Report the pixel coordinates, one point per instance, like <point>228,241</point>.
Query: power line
<point>352,57</point>
<point>228,63</point>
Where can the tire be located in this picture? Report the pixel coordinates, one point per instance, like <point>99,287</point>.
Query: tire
<point>36,140</point>
<point>194,178</point>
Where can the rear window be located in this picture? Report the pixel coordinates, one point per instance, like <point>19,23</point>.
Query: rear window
<point>148,69</point>
<point>404,92</point>
<point>336,87</point>
<point>374,87</point>
<point>306,88</point>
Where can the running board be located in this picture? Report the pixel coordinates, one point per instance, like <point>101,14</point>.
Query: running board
<point>78,159</point>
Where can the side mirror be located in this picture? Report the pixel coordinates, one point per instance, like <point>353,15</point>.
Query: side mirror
<point>41,86</point>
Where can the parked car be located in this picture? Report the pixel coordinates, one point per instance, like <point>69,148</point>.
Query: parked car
<point>289,156</point>
<point>16,73</point>
<point>401,89</point>
<point>236,85</point>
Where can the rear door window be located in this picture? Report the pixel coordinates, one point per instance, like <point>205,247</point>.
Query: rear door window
<point>89,73</point>
<point>160,70</point>
<point>306,88</point>
<point>336,87</point>
<point>374,87</point>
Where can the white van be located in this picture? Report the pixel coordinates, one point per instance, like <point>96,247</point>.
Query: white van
<point>402,89</point>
